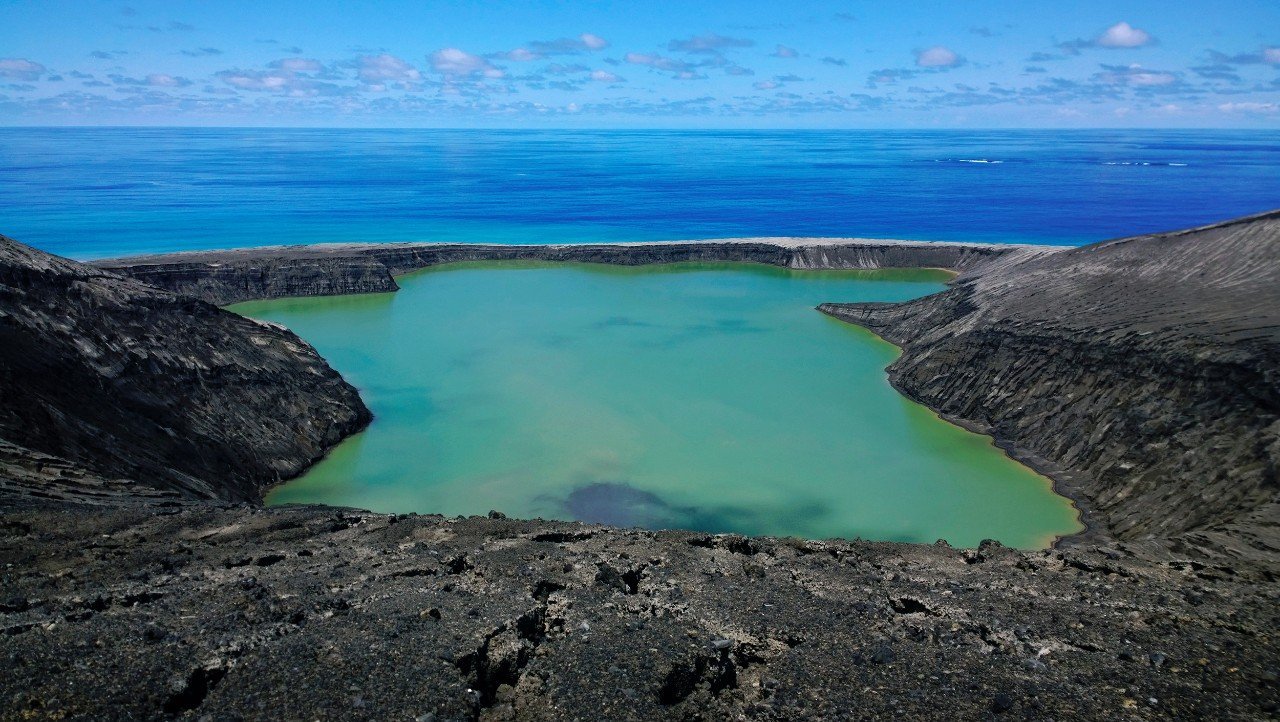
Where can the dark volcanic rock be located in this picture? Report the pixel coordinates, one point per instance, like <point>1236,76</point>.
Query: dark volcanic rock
<point>119,380</point>
<point>1142,371</point>
<point>1146,370</point>
<point>224,277</point>
<point>377,621</point>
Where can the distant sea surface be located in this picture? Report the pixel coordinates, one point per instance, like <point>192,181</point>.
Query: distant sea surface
<point>92,193</point>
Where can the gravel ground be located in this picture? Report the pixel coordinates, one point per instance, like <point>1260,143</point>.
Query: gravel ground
<point>208,611</point>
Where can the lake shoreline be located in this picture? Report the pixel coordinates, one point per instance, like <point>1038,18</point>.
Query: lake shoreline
<point>233,275</point>
<point>872,445</point>
<point>1061,481</point>
<point>272,272</point>
<point>266,273</point>
<point>1134,362</point>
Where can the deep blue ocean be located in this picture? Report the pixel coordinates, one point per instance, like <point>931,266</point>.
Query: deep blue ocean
<point>89,193</point>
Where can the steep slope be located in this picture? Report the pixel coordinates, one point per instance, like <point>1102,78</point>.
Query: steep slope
<point>1145,370</point>
<point>131,382</point>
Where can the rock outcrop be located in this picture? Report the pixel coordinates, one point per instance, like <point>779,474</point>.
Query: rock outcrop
<point>207,612</point>
<point>224,277</point>
<point>103,377</point>
<point>1145,371</point>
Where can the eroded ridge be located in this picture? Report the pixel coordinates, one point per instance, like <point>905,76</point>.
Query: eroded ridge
<point>1145,371</point>
<point>230,276</point>
<point>103,377</point>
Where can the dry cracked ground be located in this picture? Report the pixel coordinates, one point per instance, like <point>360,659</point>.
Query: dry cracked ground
<point>218,612</point>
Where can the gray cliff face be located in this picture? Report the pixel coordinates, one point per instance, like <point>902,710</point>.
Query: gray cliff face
<point>951,256</point>
<point>1145,369</point>
<point>224,283</point>
<point>117,380</point>
<point>224,277</point>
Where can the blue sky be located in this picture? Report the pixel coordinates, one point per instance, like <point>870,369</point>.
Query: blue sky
<point>694,63</point>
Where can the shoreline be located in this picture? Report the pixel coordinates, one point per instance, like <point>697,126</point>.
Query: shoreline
<point>301,250</point>
<point>1053,475</point>
<point>1146,367</point>
<point>233,275</point>
<point>938,279</point>
<point>1060,481</point>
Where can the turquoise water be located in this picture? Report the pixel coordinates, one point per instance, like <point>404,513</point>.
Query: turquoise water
<point>703,396</point>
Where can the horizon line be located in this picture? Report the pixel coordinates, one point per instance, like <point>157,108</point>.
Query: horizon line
<point>637,129</point>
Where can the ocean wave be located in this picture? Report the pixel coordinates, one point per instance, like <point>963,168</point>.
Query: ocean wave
<point>968,160</point>
<point>1143,162</point>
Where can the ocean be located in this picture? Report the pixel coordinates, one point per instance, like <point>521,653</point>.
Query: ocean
<point>98,192</point>
<point>710,397</point>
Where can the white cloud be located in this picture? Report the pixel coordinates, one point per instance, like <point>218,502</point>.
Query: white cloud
<point>937,57</point>
<point>766,85</point>
<point>711,44</point>
<point>1271,55</point>
<point>298,65</point>
<point>378,69</point>
<point>458,63</point>
<point>567,46</point>
<point>20,69</point>
<point>154,80</point>
<point>658,61</point>
<point>783,51</point>
<point>521,55</point>
<point>1135,75</point>
<point>161,80</point>
<point>1123,35</point>
<point>293,77</point>
<point>282,80</point>
<point>1249,107</point>
<point>561,69</point>
<point>253,80</point>
<point>1142,79</point>
<point>605,76</point>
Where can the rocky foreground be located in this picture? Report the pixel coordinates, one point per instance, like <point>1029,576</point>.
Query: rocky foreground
<point>1144,374</point>
<point>213,612</point>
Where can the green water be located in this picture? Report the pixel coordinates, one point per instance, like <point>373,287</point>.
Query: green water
<point>703,396</point>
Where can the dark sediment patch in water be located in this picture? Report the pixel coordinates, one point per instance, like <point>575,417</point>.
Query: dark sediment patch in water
<point>714,387</point>
<point>623,505</point>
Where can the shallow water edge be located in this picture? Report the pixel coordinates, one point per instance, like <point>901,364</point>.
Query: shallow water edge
<point>664,271</point>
